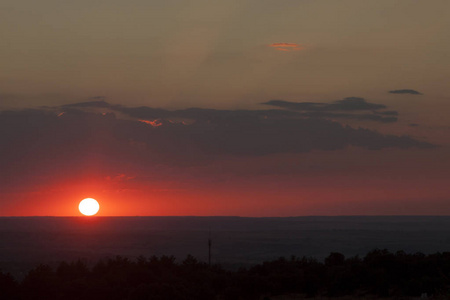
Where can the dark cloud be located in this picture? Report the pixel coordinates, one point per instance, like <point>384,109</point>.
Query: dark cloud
<point>361,117</point>
<point>353,108</point>
<point>346,104</point>
<point>413,125</point>
<point>212,114</point>
<point>201,113</point>
<point>144,112</point>
<point>167,133</point>
<point>349,108</point>
<point>354,103</point>
<point>406,91</point>
<point>38,143</point>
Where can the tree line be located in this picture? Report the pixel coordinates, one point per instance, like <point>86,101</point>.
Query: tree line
<point>379,273</point>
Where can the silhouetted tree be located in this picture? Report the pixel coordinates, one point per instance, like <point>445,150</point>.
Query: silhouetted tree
<point>8,286</point>
<point>380,273</point>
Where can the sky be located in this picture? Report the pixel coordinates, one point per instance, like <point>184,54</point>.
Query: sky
<point>243,108</point>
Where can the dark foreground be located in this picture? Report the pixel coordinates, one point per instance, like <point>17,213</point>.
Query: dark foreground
<point>26,242</point>
<point>379,274</point>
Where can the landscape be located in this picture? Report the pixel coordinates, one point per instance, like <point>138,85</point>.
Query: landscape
<point>251,149</point>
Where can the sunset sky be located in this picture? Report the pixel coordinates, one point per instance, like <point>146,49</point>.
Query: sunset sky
<point>247,107</point>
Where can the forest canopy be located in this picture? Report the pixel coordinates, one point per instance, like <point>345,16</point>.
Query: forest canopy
<point>380,273</point>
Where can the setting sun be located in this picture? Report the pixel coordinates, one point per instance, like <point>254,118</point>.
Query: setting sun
<point>89,207</point>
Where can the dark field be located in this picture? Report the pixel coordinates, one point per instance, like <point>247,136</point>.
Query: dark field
<point>28,241</point>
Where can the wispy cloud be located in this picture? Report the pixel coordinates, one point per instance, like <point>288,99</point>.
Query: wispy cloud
<point>348,108</point>
<point>119,177</point>
<point>406,91</point>
<point>154,123</point>
<point>346,104</point>
<point>287,47</point>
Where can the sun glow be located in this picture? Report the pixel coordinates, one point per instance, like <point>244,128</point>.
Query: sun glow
<point>88,207</point>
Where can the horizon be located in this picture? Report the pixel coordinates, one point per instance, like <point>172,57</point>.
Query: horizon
<point>228,216</point>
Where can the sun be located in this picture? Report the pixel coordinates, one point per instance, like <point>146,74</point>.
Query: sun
<point>88,207</point>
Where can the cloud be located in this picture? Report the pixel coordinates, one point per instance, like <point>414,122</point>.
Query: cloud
<point>154,123</point>
<point>355,103</point>
<point>347,104</point>
<point>161,133</point>
<point>119,177</point>
<point>38,146</point>
<point>361,117</point>
<point>355,108</point>
<point>287,47</point>
<point>406,91</point>
<point>146,114</point>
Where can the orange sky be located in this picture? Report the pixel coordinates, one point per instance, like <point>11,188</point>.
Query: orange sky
<point>249,107</point>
